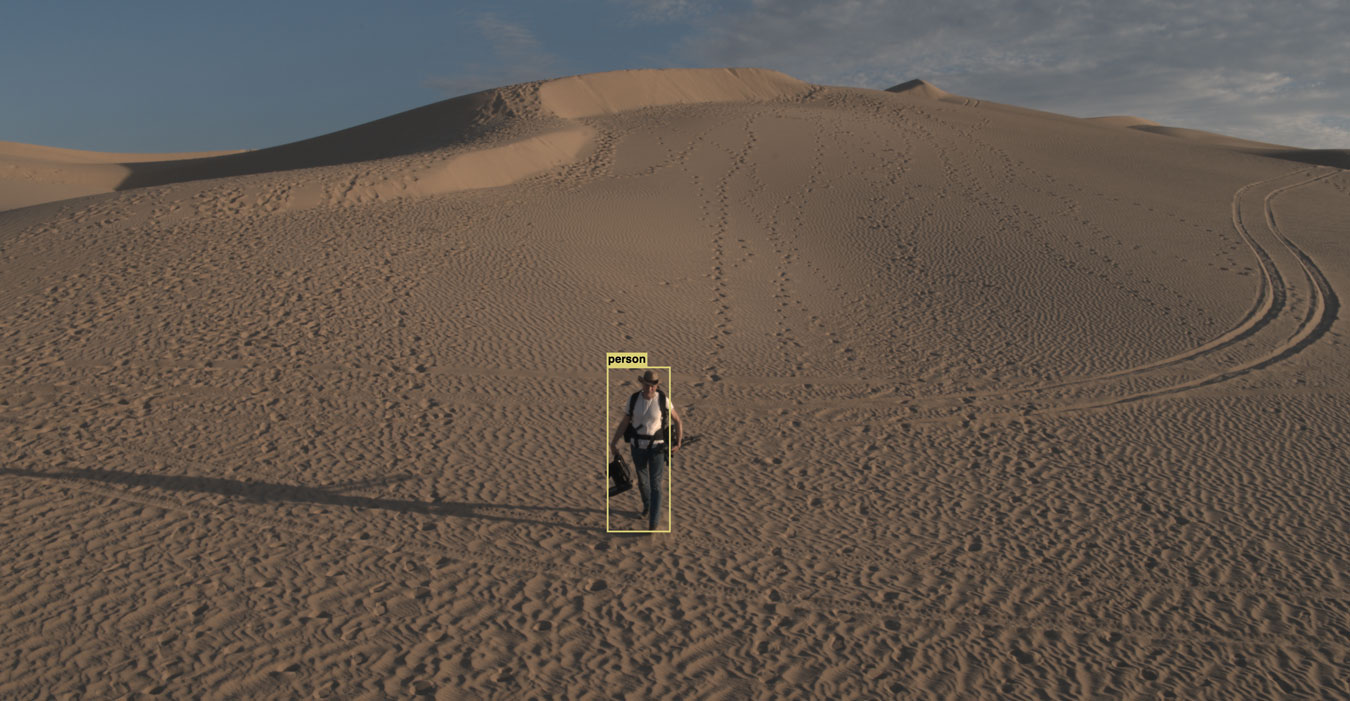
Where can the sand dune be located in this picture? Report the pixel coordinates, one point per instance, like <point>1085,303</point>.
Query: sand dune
<point>1205,137</point>
<point>922,88</point>
<point>35,174</point>
<point>51,154</point>
<point>1123,120</point>
<point>486,139</point>
<point>599,94</point>
<point>1335,158</point>
<point>982,402</point>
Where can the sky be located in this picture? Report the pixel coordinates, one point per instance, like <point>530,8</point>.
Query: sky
<point>153,76</point>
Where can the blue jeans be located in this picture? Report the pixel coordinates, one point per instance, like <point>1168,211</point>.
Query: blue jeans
<point>650,465</point>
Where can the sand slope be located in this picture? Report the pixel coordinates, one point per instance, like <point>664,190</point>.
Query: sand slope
<point>1123,120</point>
<point>922,88</point>
<point>983,402</point>
<point>487,139</point>
<point>35,174</point>
<point>599,94</point>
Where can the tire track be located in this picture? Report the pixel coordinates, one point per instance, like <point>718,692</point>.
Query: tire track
<point>1270,304</point>
<point>1271,298</point>
<point>1315,322</point>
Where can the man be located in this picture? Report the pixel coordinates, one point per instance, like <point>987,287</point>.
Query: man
<point>643,412</point>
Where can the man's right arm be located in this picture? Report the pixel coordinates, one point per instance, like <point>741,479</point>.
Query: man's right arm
<point>618,434</point>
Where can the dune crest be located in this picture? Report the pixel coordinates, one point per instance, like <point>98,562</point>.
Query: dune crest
<point>532,107</point>
<point>920,88</point>
<point>597,94</point>
<point>1203,137</point>
<point>32,174</point>
<point>1123,120</point>
<point>506,164</point>
<point>472,170</point>
<point>54,154</point>
<point>513,130</point>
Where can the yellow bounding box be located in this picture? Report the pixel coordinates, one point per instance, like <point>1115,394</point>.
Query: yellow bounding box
<point>625,360</point>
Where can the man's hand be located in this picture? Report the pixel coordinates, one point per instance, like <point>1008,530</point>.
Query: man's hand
<point>615,448</point>
<point>675,448</point>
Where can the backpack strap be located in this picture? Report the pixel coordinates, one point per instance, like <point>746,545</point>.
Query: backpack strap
<point>661,432</point>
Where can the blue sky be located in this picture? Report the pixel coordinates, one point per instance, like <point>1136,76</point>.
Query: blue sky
<point>183,76</point>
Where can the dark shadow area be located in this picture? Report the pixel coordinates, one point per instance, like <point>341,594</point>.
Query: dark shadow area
<point>1335,158</point>
<point>631,516</point>
<point>265,492</point>
<point>446,123</point>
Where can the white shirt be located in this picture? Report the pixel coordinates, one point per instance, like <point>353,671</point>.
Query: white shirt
<point>646,418</point>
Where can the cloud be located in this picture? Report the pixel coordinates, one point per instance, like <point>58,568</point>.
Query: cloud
<point>1275,70</point>
<point>519,58</point>
<point>662,11</point>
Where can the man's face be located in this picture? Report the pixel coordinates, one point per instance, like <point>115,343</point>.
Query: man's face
<point>648,389</point>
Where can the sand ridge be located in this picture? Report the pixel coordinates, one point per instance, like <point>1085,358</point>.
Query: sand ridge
<point>922,88</point>
<point>597,94</point>
<point>1123,120</point>
<point>35,174</point>
<point>983,402</point>
<point>487,139</point>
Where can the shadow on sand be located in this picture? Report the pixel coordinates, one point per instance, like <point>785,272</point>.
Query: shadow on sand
<point>1335,158</point>
<point>332,495</point>
<point>435,126</point>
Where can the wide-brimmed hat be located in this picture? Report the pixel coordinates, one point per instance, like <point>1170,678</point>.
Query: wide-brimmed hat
<point>651,377</point>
